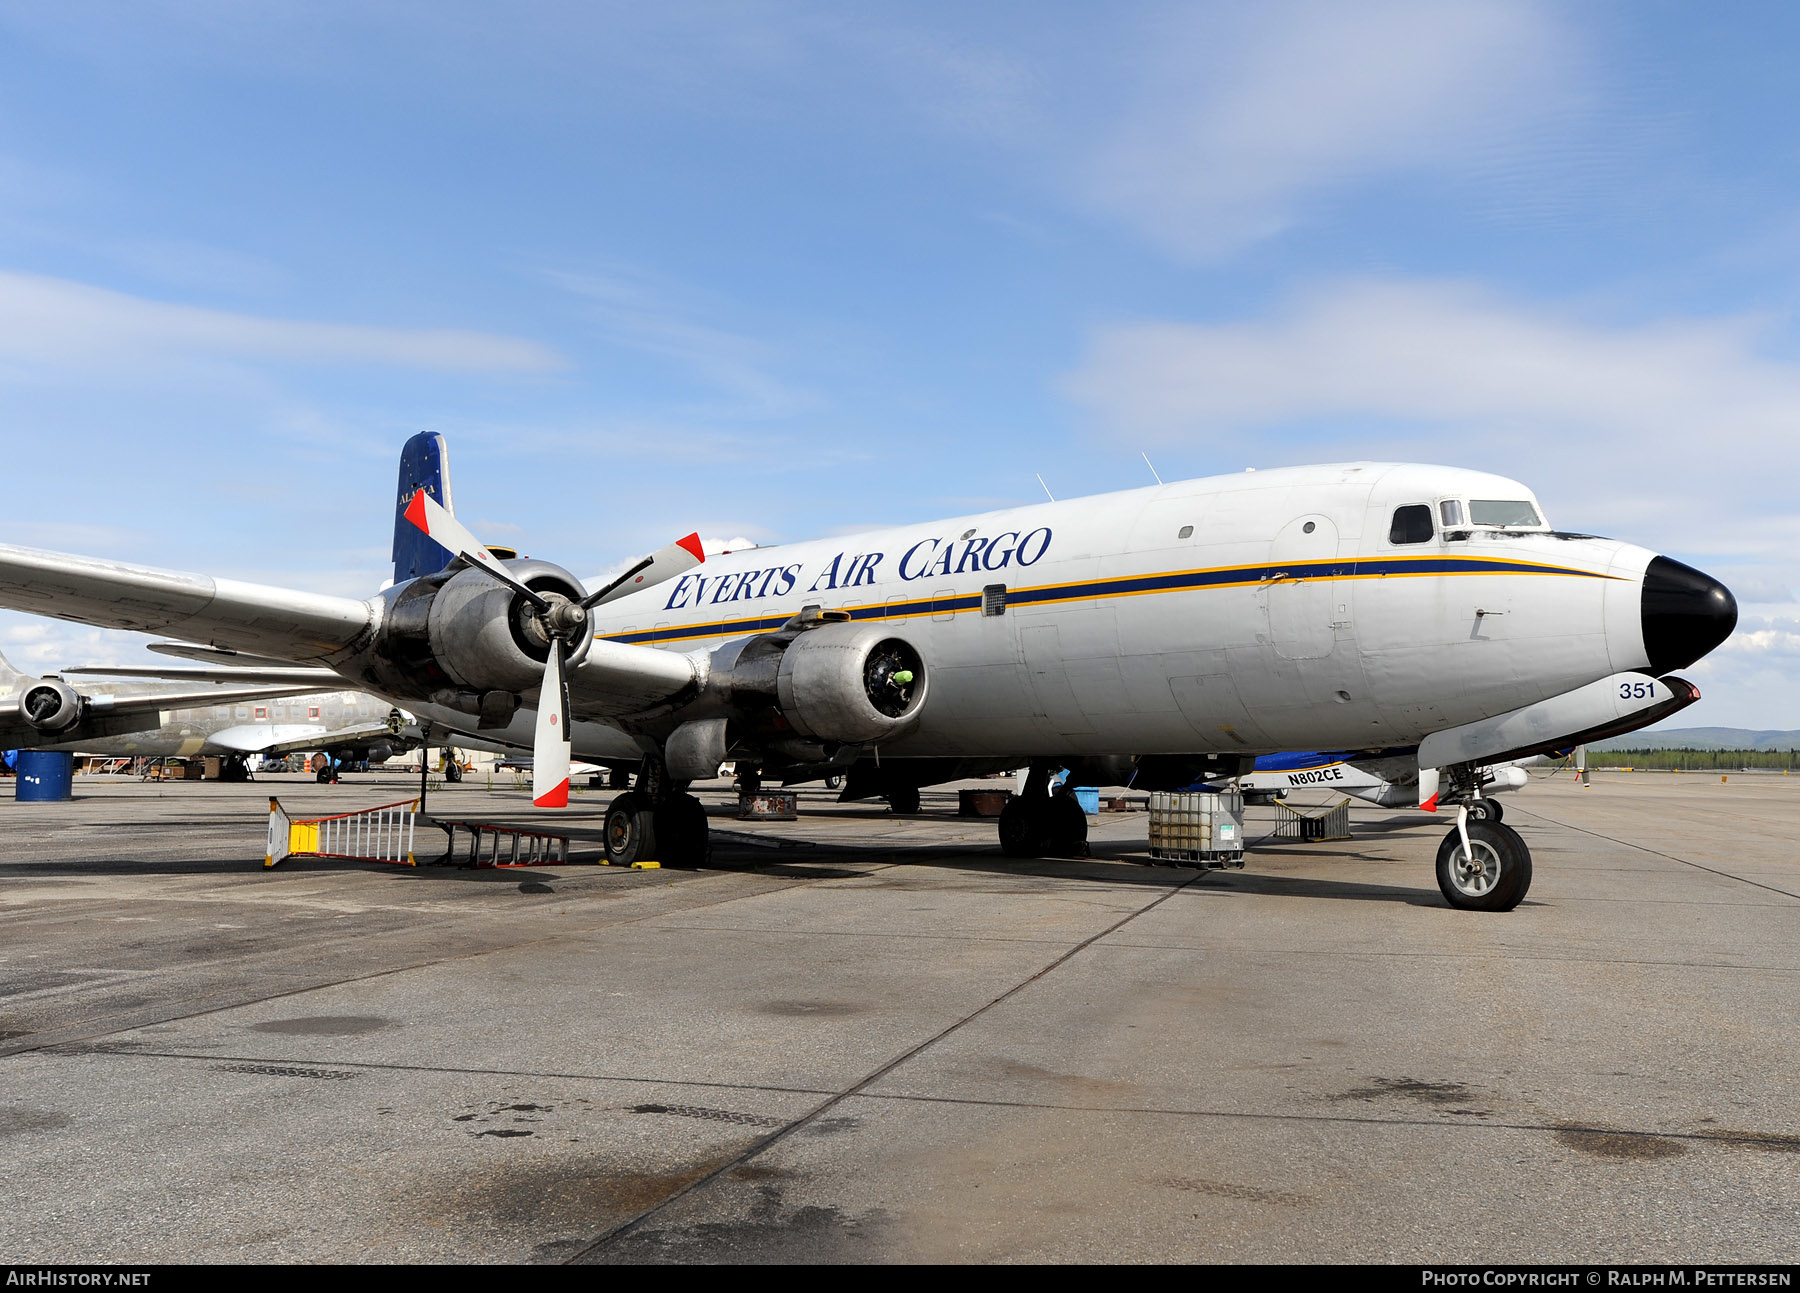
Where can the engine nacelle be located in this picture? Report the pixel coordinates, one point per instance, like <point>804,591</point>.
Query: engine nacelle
<point>463,631</point>
<point>51,706</point>
<point>849,683</point>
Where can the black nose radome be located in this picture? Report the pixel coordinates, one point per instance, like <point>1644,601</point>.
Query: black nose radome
<point>1686,614</point>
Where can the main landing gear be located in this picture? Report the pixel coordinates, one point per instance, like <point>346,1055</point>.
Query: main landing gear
<point>657,821</point>
<point>1040,824</point>
<point>1483,864</point>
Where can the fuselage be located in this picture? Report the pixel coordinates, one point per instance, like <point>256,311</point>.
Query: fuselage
<point>1284,609</point>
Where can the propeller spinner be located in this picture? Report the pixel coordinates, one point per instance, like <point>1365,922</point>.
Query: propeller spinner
<point>560,621</point>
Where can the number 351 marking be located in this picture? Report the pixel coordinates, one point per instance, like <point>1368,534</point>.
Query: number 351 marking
<point>1637,690</point>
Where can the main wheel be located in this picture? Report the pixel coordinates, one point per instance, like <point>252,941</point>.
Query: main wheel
<point>452,771</point>
<point>1487,810</point>
<point>683,838</point>
<point>1065,827</point>
<point>903,799</point>
<point>630,830</point>
<point>1494,876</point>
<point>1022,833</point>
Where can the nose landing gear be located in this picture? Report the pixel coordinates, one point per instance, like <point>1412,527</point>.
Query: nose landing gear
<point>1491,871</point>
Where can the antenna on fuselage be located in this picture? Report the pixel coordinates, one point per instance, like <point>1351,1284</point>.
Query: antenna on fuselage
<point>1047,493</point>
<point>1150,465</point>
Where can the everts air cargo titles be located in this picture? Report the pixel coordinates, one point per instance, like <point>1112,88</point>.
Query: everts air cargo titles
<point>1148,637</point>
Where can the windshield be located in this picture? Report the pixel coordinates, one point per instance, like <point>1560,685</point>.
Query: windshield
<point>1502,511</point>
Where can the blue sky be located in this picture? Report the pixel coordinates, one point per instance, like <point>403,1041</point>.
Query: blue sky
<point>779,269</point>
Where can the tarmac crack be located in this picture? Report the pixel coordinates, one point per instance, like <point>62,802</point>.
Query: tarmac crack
<point>1645,848</point>
<point>427,963</point>
<point>815,1114</point>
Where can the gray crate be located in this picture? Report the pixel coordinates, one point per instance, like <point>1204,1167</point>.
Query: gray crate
<point>1197,826</point>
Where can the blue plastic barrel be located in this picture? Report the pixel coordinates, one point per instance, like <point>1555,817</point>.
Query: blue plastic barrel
<point>1089,799</point>
<point>45,776</point>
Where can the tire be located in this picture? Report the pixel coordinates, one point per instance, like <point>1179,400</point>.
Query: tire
<point>630,830</point>
<point>1487,810</point>
<point>833,783</point>
<point>1022,830</point>
<point>1504,876</point>
<point>1065,827</point>
<point>453,771</point>
<point>904,799</point>
<point>683,837</point>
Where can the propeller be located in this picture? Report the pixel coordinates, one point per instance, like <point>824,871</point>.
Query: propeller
<point>561,621</point>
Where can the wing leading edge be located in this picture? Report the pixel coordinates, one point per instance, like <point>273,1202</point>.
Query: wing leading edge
<point>277,622</point>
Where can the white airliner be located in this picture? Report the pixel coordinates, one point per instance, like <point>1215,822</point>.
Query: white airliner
<point>1152,635</point>
<point>1387,781</point>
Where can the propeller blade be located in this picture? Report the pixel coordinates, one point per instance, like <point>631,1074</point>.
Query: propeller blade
<point>678,558</point>
<point>550,744</point>
<point>441,527</point>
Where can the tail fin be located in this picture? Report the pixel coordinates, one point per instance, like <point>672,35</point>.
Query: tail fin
<point>424,464</point>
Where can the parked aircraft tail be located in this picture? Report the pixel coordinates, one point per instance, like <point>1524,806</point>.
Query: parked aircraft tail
<point>424,464</point>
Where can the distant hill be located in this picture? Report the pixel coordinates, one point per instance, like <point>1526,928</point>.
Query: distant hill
<point>1702,738</point>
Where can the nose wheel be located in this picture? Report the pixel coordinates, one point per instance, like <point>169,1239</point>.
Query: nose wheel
<point>1493,873</point>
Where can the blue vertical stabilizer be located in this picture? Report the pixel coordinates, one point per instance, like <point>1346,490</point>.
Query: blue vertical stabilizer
<point>424,464</point>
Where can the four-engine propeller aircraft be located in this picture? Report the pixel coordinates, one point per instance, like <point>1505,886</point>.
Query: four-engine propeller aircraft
<point>1166,633</point>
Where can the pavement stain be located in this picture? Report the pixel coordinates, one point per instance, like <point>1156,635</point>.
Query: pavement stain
<point>324,1025</point>
<point>16,1120</point>
<point>807,1009</point>
<point>573,1198</point>
<point>1620,1144</point>
<point>766,1230</point>
<point>1411,1088</point>
<point>1229,1190</point>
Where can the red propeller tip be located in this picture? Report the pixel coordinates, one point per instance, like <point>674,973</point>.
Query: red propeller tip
<point>415,511</point>
<point>556,797</point>
<point>692,544</point>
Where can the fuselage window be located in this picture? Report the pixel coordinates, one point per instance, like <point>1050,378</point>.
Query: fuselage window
<point>1186,532</point>
<point>1503,511</point>
<point>1450,513</point>
<point>1412,524</point>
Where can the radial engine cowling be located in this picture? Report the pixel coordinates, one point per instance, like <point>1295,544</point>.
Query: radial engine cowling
<point>51,706</point>
<point>463,629</point>
<point>850,683</point>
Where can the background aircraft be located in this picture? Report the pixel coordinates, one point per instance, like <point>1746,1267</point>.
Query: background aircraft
<point>50,713</point>
<point>1389,781</point>
<point>346,726</point>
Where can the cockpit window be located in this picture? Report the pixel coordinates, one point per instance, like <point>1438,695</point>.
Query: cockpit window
<point>1412,524</point>
<point>1450,513</point>
<point>1503,511</point>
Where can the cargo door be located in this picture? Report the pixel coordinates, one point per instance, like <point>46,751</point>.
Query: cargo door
<point>1299,590</point>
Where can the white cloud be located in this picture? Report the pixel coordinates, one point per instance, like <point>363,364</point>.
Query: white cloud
<point>57,324</point>
<point>1243,112</point>
<point>638,312</point>
<point>1685,426</point>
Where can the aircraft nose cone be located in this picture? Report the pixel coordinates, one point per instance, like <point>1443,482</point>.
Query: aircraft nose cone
<point>1686,614</point>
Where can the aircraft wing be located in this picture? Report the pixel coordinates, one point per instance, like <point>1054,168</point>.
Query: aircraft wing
<point>293,738</point>
<point>273,675</point>
<point>276,622</point>
<point>618,679</point>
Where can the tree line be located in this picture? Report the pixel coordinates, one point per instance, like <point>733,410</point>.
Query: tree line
<point>1696,760</point>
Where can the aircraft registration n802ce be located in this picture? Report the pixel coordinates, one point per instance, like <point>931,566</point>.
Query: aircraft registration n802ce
<point>1145,637</point>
